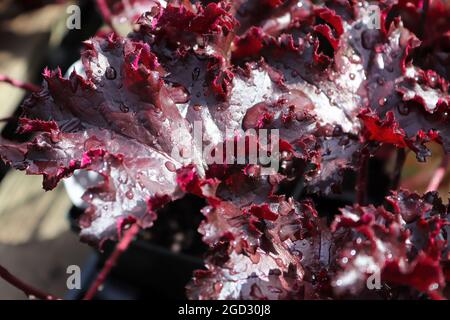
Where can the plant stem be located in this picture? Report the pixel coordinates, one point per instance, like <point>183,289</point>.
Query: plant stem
<point>121,247</point>
<point>25,288</point>
<point>438,175</point>
<point>361,183</point>
<point>397,174</point>
<point>19,84</point>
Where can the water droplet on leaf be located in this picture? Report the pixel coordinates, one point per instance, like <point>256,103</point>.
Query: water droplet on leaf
<point>124,108</point>
<point>110,73</point>
<point>129,194</point>
<point>195,73</point>
<point>355,58</point>
<point>403,109</point>
<point>380,81</point>
<point>382,101</point>
<point>170,166</point>
<point>180,94</point>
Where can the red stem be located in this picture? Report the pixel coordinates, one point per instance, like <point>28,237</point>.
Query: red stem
<point>121,247</point>
<point>438,175</point>
<point>399,163</point>
<point>106,13</point>
<point>361,183</point>
<point>19,84</point>
<point>27,289</point>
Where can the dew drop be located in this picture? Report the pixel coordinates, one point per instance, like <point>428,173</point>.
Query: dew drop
<point>197,107</point>
<point>380,81</point>
<point>298,253</point>
<point>124,108</point>
<point>110,73</point>
<point>432,81</point>
<point>355,58</point>
<point>403,109</point>
<point>180,94</point>
<point>129,194</point>
<point>195,73</point>
<point>337,131</point>
<point>352,76</point>
<point>280,263</point>
<point>170,166</point>
<point>304,243</point>
<point>382,101</point>
<point>184,152</point>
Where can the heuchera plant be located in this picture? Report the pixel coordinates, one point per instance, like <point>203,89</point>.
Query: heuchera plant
<point>337,88</point>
